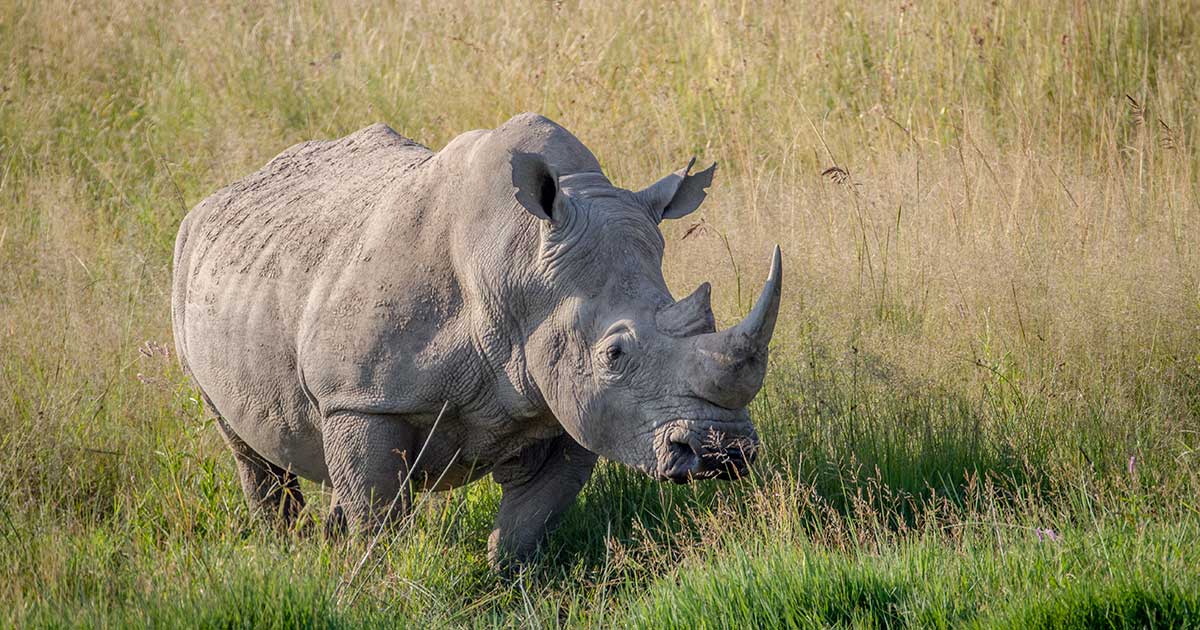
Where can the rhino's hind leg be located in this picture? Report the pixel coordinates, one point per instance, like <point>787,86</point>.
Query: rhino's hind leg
<point>271,492</point>
<point>538,486</point>
<point>367,456</point>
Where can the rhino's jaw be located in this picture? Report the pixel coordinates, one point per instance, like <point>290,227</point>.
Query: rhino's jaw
<point>689,450</point>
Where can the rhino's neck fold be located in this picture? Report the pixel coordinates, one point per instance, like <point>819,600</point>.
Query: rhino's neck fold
<point>581,183</point>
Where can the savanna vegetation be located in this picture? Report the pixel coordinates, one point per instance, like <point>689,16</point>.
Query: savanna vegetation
<point>984,399</point>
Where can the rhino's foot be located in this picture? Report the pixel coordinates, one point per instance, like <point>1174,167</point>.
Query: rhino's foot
<point>538,486</point>
<point>279,500</point>
<point>335,524</point>
<point>508,557</point>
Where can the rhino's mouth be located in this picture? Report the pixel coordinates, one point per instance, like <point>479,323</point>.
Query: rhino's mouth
<point>689,450</point>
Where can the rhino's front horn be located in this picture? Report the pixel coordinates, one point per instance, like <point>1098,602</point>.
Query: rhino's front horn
<point>759,325</point>
<point>730,365</point>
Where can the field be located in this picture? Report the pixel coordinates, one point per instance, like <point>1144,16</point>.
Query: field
<point>983,407</point>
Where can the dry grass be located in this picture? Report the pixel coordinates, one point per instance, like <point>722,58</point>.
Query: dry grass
<point>989,214</point>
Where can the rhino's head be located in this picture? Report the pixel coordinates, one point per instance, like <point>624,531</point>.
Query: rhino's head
<point>631,373</point>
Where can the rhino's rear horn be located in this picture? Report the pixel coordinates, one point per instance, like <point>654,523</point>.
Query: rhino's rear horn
<point>730,365</point>
<point>690,316</point>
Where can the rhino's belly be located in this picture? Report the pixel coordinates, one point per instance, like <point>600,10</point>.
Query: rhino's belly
<point>467,448</point>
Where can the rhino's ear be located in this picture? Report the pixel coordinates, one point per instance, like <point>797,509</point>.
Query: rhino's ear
<point>536,185</point>
<point>679,193</point>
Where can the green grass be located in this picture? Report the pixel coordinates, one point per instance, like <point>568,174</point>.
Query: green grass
<point>990,328</point>
<point>1084,579</point>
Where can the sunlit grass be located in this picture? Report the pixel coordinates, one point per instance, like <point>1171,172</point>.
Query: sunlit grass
<point>990,330</point>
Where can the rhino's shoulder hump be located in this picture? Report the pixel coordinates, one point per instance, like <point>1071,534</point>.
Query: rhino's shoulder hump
<point>538,134</point>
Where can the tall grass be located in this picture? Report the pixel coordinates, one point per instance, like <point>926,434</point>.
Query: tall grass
<point>984,400</point>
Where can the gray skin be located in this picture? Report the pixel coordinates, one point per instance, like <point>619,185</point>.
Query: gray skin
<point>330,304</point>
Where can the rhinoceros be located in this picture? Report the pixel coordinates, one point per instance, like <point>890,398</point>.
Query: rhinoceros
<point>372,315</point>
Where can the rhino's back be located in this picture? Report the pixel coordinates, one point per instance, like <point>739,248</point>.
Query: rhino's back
<point>246,261</point>
<point>304,207</point>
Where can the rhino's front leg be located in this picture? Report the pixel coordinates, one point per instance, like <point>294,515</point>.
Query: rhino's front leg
<point>367,456</point>
<point>538,485</point>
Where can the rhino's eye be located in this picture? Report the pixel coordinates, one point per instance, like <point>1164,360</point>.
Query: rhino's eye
<point>615,351</point>
<point>615,358</point>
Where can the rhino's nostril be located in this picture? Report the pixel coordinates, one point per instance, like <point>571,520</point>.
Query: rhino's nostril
<point>682,460</point>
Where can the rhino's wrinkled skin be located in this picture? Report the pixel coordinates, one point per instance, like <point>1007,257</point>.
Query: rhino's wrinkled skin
<point>328,305</point>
